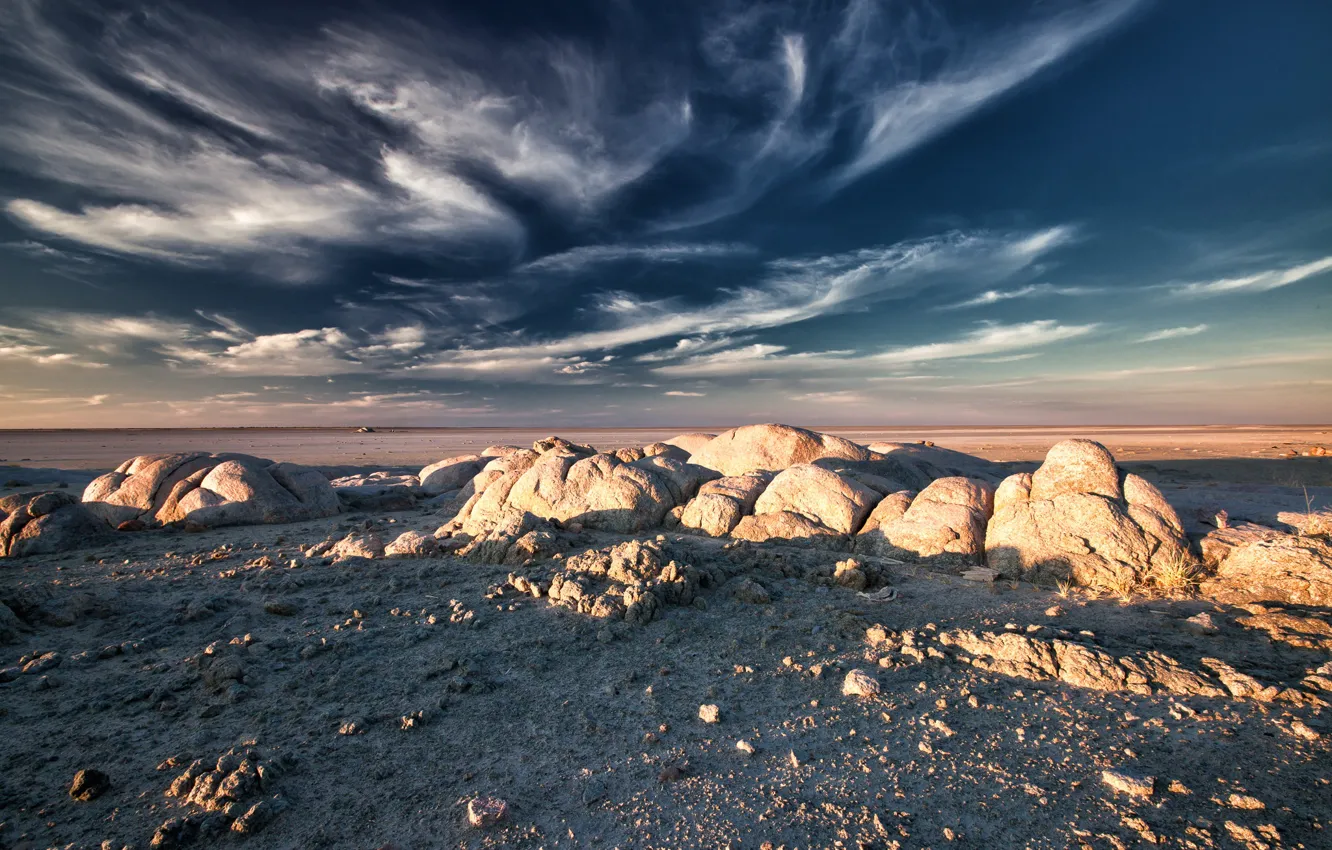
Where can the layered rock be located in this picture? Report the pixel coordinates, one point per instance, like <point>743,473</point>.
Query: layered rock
<point>46,523</point>
<point>1078,516</point>
<point>210,490</point>
<point>944,525</point>
<point>1286,568</point>
<point>377,491</point>
<point>772,448</point>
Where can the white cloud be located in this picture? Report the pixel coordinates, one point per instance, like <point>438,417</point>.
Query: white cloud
<point>1172,333</point>
<point>899,114</point>
<point>1036,290</point>
<point>1261,282</point>
<point>771,359</point>
<point>684,394</point>
<point>580,259</point>
<point>793,290</point>
<point>833,397</point>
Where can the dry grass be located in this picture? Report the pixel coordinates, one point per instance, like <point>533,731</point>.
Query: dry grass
<point>1064,587</point>
<point>1177,577</point>
<point>1123,585</point>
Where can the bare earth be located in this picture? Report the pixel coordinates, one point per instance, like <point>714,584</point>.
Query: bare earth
<point>386,696</point>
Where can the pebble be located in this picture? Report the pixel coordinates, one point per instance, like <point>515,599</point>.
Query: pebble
<point>858,683</point>
<point>709,713</point>
<point>486,811</point>
<point>89,784</point>
<point>1138,786</point>
<point>745,747</point>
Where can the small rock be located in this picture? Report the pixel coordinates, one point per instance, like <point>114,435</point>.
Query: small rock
<point>858,683</point>
<point>1054,611</point>
<point>89,784</point>
<point>745,747</point>
<point>709,713</point>
<point>797,758</point>
<point>670,773</point>
<point>486,811</point>
<point>354,726</point>
<point>1201,624</point>
<point>1244,801</point>
<point>280,608</point>
<point>258,816</point>
<point>1138,786</point>
<point>751,592</point>
<point>1297,727</point>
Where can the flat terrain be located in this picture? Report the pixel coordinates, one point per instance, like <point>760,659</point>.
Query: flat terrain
<point>382,696</point>
<point>416,447</point>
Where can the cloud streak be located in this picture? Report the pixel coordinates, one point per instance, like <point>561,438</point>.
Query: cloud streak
<point>1172,333</point>
<point>1261,282</point>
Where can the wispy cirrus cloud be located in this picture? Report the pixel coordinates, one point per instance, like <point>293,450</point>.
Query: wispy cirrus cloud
<point>683,394</point>
<point>1263,281</point>
<point>1035,290</point>
<point>1172,333</point>
<point>774,359</point>
<point>582,258</point>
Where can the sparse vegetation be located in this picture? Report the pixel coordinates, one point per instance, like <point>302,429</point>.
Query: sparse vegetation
<point>1176,577</point>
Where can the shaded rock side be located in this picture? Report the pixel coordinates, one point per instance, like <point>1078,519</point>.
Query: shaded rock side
<point>47,523</point>
<point>943,525</point>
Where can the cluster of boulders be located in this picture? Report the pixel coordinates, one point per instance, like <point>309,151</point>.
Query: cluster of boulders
<point>209,490</point>
<point>45,523</point>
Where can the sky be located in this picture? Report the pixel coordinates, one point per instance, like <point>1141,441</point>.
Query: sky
<point>621,213</point>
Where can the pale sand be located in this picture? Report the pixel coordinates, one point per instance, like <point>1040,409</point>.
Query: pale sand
<point>415,447</point>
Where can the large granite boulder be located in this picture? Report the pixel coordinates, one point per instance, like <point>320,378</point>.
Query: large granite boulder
<point>772,448</point>
<point>925,463</point>
<point>451,474</point>
<point>47,523</point>
<point>1080,517</point>
<point>839,503</point>
<point>1286,568</point>
<point>944,525</point>
<point>721,504</point>
<point>210,490</point>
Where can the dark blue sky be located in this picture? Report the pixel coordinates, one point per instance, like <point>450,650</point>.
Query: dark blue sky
<point>644,213</point>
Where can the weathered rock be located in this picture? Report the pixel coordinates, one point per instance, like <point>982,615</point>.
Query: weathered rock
<point>709,713</point>
<point>1127,783</point>
<point>46,523</point>
<point>789,529</point>
<point>720,504</point>
<point>377,491</point>
<point>486,811</point>
<point>827,498</point>
<point>1289,569</point>
<point>944,525</point>
<point>666,450</point>
<point>1077,517</point>
<point>596,491</point>
<point>758,448</point>
<point>210,491</point>
<point>858,683</point>
<point>750,592</point>
<point>411,544</point>
<point>89,784</point>
<point>358,545</point>
<point>10,625</point>
<point>552,443</point>
<point>450,474</point>
<point>690,443</point>
<point>1217,544</point>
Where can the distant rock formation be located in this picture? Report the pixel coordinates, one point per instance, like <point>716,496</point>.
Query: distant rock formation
<point>210,490</point>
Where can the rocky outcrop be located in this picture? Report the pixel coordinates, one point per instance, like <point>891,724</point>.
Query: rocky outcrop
<point>210,490</point>
<point>1078,516</point>
<point>569,484</point>
<point>450,474</point>
<point>772,448</point>
<point>46,523</point>
<point>1289,569</point>
<point>944,525</point>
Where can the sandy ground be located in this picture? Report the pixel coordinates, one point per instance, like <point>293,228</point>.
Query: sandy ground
<point>416,447</point>
<point>168,648</point>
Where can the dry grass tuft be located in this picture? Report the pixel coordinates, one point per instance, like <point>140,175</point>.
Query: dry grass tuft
<point>1176,577</point>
